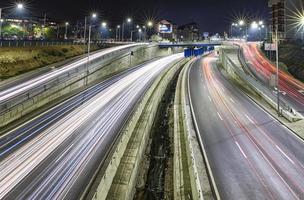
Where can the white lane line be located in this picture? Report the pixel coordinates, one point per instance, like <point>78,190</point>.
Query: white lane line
<point>64,153</point>
<point>209,99</point>
<point>249,119</point>
<point>284,154</point>
<point>220,116</point>
<point>241,149</point>
<point>232,100</point>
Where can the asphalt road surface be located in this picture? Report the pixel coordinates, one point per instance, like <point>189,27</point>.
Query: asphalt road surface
<point>60,160</point>
<point>252,156</point>
<point>292,89</point>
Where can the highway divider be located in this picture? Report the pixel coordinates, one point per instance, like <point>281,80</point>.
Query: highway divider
<point>59,88</point>
<point>190,155</point>
<point>118,176</point>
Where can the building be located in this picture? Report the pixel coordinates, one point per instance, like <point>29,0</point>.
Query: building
<point>189,32</point>
<point>284,18</point>
<point>167,30</point>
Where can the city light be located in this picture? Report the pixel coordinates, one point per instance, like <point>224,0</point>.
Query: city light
<point>104,24</point>
<point>254,25</point>
<point>139,30</point>
<point>118,26</point>
<point>94,15</point>
<point>241,22</point>
<point>67,23</point>
<point>129,20</point>
<point>20,6</point>
<point>150,24</point>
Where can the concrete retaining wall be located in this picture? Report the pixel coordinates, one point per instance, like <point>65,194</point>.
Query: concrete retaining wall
<point>98,70</point>
<point>125,188</point>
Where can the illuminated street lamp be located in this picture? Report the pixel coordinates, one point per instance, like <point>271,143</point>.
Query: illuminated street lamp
<point>19,6</point>
<point>93,16</point>
<point>117,32</point>
<point>129,20</point>
<point>261,23</point>
<point>241,22</point>
<point>66,30</point>
<point>104,24</point>
<point>150,24</point>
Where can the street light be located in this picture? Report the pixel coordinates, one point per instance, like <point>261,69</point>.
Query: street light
<point>150,24</point>
<point>129,20</point>
<point>19,6</point>
<point>93,16</point>
<point>117,32</point>
<point>241,22</point>
<point>104,24</point>
<point>66,30</point>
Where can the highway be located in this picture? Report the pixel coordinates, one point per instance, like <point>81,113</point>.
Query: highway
<point>251,155</point>
<point>292,89</point>
<point>15,88</point>
<point>59,160</point>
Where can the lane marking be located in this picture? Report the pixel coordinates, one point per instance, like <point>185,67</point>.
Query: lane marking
<point>209,99</point>
<point>64,153</point>
<point>249,119</point>
<point>241,149</point>
<point>232,100</point>
<point>220,116</point>
<point>284,154</point>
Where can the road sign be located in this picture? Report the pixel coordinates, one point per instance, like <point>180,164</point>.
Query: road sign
<point>270,47</point>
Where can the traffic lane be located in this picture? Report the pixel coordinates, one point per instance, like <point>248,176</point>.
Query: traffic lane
<point>49,175</point>
<point>74,183</point>
<point>5,95</point>
<point>287,83</point>
<point>284,159</point>
<point>35,151</point>
<point>14,139</point>
<point>233,178</point>
<point>243,143</point>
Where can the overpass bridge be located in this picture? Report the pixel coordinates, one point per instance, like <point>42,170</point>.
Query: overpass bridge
<point>193,44</point>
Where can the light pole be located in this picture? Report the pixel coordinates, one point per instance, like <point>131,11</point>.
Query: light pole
<point>129,20</point>
<point>241,24</point>
<point>19,6</point>
<point>66,30</point>
<point>93,16</point>
<point>277,65</point>
<point>117,32</point>
<point>140,34</point>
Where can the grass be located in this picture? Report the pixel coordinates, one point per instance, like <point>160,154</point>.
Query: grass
<point>16,61</point>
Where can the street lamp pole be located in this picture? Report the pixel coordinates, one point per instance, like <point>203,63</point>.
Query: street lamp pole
<point>277,65</point>
<point>1,21</point>
<point>89,49</point>
<point>85,30</point>
<point>66,30</point>
<point>19,6</point>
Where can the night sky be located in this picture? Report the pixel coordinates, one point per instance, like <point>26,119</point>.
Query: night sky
<point>211,15</point>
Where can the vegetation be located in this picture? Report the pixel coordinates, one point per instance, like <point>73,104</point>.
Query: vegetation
<point>292,55</point>
<point>15,61</point>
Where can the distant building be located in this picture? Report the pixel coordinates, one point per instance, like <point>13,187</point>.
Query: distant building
<point>167,30</point>
<point>189,32</point>
<point>281,17</point>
